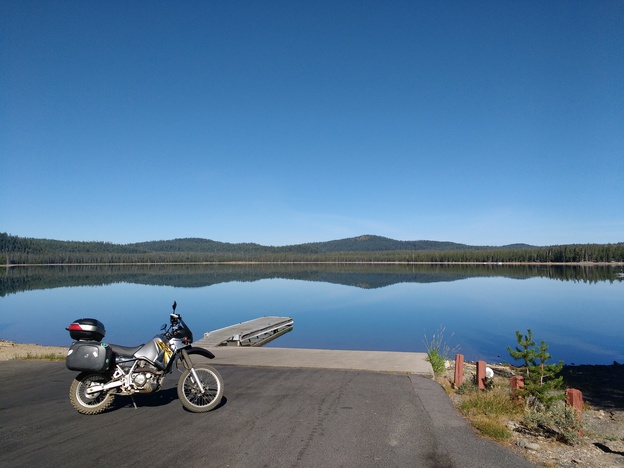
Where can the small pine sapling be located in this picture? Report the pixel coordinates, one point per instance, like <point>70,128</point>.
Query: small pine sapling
<point>541,384</point>
<point>544,383</point>
<point>525,350</point>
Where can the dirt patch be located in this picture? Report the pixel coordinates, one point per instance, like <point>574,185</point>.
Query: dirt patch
<point>11,350</point>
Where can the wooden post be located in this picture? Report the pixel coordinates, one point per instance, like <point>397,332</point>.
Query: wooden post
<point>516,383</point>
<point>459,370</point>
<point>481,375</point>
<point>574,398</point>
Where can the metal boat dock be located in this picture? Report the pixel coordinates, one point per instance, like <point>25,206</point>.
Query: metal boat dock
<point>256,332</point>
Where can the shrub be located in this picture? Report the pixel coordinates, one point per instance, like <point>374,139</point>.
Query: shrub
<point>436,360</point>
<point>438,350</point>
<point>558,421</point>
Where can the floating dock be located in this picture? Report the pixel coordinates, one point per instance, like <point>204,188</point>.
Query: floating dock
<point>256,332</point>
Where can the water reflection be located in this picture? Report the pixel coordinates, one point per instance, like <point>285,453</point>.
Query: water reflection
<point>378,307</point>
<point>367,276</point>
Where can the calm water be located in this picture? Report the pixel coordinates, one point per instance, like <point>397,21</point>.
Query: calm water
<point>578,312</point>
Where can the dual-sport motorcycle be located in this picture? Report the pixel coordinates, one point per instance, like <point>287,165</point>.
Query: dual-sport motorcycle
<point>108,370</point>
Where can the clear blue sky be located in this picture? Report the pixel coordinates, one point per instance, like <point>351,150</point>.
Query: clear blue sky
<point>283,122</point>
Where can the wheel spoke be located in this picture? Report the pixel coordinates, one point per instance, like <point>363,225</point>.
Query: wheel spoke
<point>89,403</point>
<point>191,385</point>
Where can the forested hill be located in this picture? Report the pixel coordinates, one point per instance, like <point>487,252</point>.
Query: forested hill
<point>367,248</point>
<point>366,243</point>
<point>199,246</point>
<point>370,243</point>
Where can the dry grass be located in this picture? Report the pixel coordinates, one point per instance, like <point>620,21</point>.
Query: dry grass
<point>41,357</point>
<point>490,411</point>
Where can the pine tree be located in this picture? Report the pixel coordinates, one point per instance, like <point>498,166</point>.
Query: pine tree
<point>541,383</point>
<point>544,383</point>
<point>525,350</point>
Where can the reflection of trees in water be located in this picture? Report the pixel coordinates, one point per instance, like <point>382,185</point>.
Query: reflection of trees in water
<point>369,276</point>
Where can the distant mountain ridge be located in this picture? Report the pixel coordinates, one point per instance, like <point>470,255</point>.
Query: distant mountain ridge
<point>364,243</point>
<point>372,243</point>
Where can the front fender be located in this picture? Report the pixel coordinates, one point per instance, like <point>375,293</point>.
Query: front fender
<point>200,351</point>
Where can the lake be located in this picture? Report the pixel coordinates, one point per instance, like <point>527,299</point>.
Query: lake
<point>578,311</point>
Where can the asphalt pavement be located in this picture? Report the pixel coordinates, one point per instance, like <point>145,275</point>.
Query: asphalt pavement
<point>270,416</point>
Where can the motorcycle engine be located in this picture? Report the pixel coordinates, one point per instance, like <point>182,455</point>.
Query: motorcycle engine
<point>146,378</point>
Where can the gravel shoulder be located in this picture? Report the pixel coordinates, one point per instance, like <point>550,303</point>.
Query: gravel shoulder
<point>10,350</point>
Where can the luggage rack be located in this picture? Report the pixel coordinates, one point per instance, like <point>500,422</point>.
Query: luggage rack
<point>256,332</point>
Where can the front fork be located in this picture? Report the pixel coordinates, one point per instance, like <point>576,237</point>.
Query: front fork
<point>188,364</point>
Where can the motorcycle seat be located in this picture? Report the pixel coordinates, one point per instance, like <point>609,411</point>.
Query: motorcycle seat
<point>127,351</point>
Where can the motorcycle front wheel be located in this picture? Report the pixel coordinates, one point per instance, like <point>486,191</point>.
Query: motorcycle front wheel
<point>190,394</point>
<point>89,404</point>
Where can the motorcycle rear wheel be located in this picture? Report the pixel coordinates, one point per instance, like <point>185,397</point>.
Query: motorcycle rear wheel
<point>89,404</point>
<point>191,396</point>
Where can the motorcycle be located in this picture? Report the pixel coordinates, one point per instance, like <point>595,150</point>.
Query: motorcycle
<point>108,370</point>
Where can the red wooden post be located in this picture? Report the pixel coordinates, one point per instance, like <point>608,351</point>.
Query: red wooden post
<point>574,398</point>
<point>481,374</point>
<point>459,370</point>
<point>516,383</point>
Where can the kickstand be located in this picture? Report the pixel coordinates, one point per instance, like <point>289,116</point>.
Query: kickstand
<point>133,402</point>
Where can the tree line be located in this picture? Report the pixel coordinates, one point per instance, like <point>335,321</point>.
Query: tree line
<point>27,251</point>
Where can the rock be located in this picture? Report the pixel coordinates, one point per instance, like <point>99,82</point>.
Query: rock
<point>525,443</point>
<point>513,426</point>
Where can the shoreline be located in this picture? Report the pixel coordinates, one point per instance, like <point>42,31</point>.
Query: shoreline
<point>10,350</point>
<point>303,262</point>
<point>7,346</point>
<point>10,344</point>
